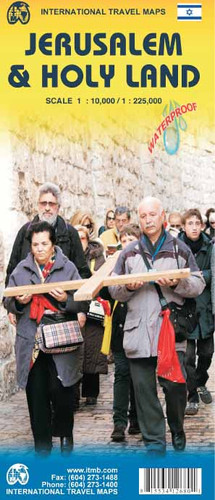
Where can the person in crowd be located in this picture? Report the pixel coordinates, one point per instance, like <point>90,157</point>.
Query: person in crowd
<point>84,218</point>
<point>207,214</point>
<point>200,342</point>
<point>204,220</point>
<point>67,238</point>
<point>211,229</point>
<point>47,378</point>
<point>109,222</point>
<point>213,281</point>
<point>94,362</point>
<point>143,323</point>
<point>111,236</point>
<point>123,385</point>
<point>174,223</point>
<point>124,407</point>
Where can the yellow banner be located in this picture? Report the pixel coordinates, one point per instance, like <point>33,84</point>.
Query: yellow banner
<point>122,59</point>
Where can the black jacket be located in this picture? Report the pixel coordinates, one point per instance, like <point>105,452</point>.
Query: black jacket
<point>205,327</point>
<point>118,322</point>
<point>67,239</point>
<point>94,252</point>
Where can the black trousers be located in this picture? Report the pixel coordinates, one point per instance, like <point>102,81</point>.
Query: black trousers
<point>90,385</point>
<point>123,391</point>
<point>197,374</point>
<point>50,404</point>
<point>149,411</point>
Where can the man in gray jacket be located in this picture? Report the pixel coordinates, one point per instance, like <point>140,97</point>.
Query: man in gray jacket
<point>143,323</point>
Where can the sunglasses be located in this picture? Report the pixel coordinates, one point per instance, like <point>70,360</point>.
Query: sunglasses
<point>110,218</point>
<point>49,203</point>
<point>88,226</point>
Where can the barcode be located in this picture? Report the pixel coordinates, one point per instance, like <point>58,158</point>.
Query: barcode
<point>171,481</point>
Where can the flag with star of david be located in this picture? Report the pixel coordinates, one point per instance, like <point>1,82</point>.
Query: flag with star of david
<point>189,12</point>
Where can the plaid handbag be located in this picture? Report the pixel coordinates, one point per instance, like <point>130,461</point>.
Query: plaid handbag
<point>57,336</point>
<point>67,334</point>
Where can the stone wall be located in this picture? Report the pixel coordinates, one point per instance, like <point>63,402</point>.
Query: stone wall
<point>7,362</point>
<point>97,166</point>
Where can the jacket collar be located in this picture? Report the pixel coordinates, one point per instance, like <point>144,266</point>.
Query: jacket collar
<point>60,259</point>
<point>133,247</point>
<point>154,248</point>
<point>205,244</point>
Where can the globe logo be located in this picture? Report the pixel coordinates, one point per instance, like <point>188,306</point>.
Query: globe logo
<point>17,473</point>
<point>18,11</point>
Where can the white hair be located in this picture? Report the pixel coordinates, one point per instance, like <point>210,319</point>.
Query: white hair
<point>153,200</point>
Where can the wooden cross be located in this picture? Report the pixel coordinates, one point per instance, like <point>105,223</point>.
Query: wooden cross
<point>89,288</point>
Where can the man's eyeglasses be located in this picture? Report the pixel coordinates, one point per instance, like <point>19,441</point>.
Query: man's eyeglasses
<point>177,226</point>
<point>49,203</point>
<point>110,218</point>
<point>88,226</point>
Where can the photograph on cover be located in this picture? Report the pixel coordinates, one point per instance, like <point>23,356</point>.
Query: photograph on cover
<point>107,155</point>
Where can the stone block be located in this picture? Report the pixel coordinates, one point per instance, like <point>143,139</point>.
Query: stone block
<point>6,348</point>
<point>8,383</point>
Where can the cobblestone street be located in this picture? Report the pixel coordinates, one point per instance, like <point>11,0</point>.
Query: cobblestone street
<point>93,425</point>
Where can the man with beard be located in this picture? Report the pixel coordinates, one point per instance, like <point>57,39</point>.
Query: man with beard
<point>67,237</point>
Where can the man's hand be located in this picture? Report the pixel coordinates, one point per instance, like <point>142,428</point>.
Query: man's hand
<point>24,299</point>
<point>12,319</point>
<point>167,282</point>
<point>135,286</point>
<point>59,294</point>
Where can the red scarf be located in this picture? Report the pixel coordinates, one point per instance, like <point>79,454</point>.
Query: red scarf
<point>105,304</point>
<point>39,303</point>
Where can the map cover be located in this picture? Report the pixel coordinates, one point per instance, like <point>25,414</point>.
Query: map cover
<point>112,101</point>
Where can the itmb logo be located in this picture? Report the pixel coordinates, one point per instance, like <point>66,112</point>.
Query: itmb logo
<point>17,473</point>
<point>18,11</point>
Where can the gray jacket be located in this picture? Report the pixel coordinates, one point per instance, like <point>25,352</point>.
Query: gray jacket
<point>26,272</point>
<point>143,320</point>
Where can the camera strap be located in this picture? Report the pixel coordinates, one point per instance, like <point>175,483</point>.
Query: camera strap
<point>163,302</point>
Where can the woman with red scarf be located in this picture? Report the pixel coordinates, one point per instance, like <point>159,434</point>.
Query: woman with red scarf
<point>47,378</point>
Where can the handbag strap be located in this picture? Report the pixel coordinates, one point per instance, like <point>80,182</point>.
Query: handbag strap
<point>163,302</point>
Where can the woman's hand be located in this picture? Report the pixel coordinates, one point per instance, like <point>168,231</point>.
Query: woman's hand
<point>82,319</point>
<point>12,319</point>
<point>59,294</point>
<point>24,299</point>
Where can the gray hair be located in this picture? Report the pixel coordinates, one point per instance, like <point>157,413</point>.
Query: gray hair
<point>119,210</point>
<point>50,187</point>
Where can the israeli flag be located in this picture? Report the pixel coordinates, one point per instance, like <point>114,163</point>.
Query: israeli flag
<point>189,12</point>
